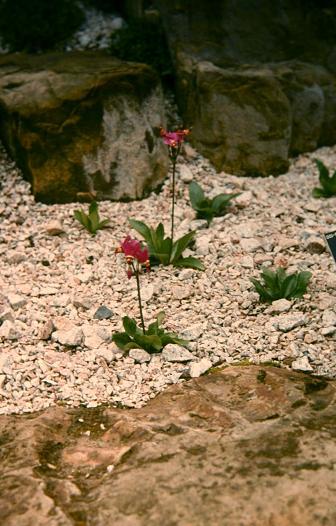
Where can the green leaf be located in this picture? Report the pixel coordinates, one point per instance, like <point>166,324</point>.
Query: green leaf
<point>162,249</point>
<point>323,172</point>
<point>280,276</point>
<point>328,183</point>
<point>333,184</point>
<point>205,213</point>
<point>104,223</point>
<point>264,295</point>
<point>159,233</point>
<point>319,192</point>
<point>91,221</point>
<point>160,317</point>
<point>303,280</point>
<point>170,337</point>
<point>221,201</point>
<point>131,345</point>
<point>280,285</point>
<point>160,246</point>
<point>121,339</point>
<point>93,208</point>
<point>153,328</point>
<point>196,194</point>
<point>81,216</point>
<point>190,262</point>
<point>149,342</point>
<point>289,286</point>
<point>269,277</point>
<point>142,228</point>
<point>94,216</point>
<point>130,326</point>
<point>180,245</point>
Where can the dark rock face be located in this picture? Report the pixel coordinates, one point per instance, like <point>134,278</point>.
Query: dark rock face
<point>82,124</point>
<point>234,32</point>
<point>243,445</point>
<point>255,79</point>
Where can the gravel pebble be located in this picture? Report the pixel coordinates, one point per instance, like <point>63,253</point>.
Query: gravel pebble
<point>199,368</point>
<point>302,364</point>
<point>176,353</point>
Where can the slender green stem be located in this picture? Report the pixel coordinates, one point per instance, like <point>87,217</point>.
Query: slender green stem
<point>136,272</point>
<point>173,207</point>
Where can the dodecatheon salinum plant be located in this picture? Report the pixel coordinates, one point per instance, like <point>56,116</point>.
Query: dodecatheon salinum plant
<point>91,221</point>
<point>277,285</point>
<point>205,207</point>
<point>327,181</point>
<point>154,338</point>
<point>163,249</point>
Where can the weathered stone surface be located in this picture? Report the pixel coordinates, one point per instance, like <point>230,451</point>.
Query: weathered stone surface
<point>302,364</point>
<point>82,124</point>
<point>254,117</point>
<point>244,445</point>
<point>139,355</point>
<point>70,337</point>
<point>176,353</point>
<point>253,91</point>
<point>288,322</point>
<point>244,125</point>
<point>251,31</point>
<point>198,368</point>
<point>103,313</point>
<point>54,228</point>
<point>279,306</point>
<point>8,331</point>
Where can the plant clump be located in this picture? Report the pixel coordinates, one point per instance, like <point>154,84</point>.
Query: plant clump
<point>155,338</point>
<point>280,285</point>
<point>205,207</point>
<point>163,250</point>
<point>38,25</point>
<point>91,221</point>
<point>327,181</point>
<point>167,250</point>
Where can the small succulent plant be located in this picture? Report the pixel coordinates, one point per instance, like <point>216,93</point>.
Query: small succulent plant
<point>277,285</point>
<point>163,250</point>
<point>327,181</point>
<point>205,207</point>
<point>91,221</point>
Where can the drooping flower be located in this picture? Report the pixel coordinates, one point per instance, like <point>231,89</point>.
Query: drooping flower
<point>173,139</point>
<point>133,250</point>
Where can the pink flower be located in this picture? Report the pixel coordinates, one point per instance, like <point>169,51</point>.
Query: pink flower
<point>133,250</point>
<point>173,139</point>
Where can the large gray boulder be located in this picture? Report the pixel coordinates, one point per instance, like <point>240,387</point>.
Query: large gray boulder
<point>250,119</point>
<point>82,125</point>
<point>256,80</point>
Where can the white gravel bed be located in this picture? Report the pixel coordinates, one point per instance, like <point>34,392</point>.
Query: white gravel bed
<point>54,350</point>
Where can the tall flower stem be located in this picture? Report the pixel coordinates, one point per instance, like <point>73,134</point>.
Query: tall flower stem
<point>136,272</point>
<point>173,208</point>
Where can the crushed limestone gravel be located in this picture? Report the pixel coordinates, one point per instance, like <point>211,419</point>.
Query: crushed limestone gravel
<point>63,293</point>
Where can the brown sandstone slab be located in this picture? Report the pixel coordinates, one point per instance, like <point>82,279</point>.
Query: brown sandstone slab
<point>249,446</point>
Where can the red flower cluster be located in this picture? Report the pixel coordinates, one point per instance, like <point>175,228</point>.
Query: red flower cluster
<point>133,250</point>
<point>173,139</point>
